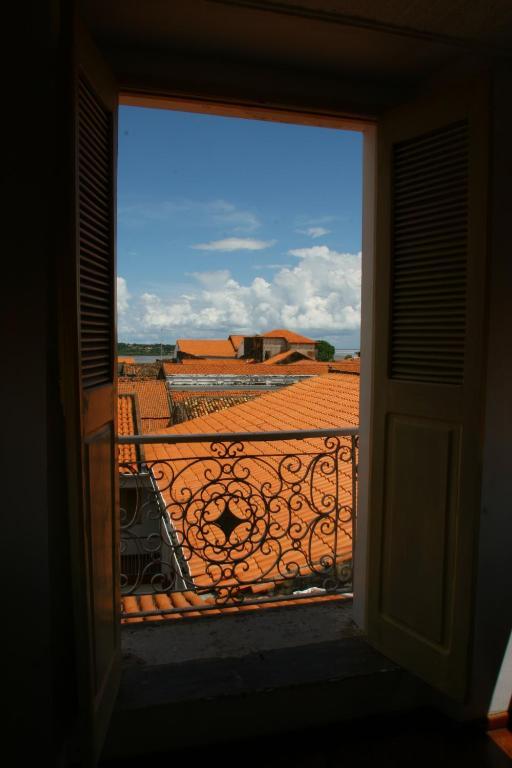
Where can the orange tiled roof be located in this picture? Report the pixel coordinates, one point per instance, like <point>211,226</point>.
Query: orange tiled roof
<point>206,347</point>
<point>193,404</point>
<point>126,425</point>
<point>141,370</point>
<point>220,362</point>
<point>324,401</point>
<point>290,336</point>
<point>290,355</point>
<point>346,366</point>
<point>157,602</point>
<point>327,401</point>
<point>235,340</point>
<point>154,426</point>
<point>178,396</point>
<point>153,401</point>
<point>237,367</point>
<point>124,359</point>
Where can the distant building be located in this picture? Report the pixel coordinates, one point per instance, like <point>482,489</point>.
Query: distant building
<point>267,345</point>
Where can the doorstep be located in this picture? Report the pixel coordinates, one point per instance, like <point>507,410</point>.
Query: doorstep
<point>247,674</point>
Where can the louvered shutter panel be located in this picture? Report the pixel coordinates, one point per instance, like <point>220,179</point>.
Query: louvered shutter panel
<point>95,237</point>
<point>88,383</point>
<point>428,367</point>
<point>430,231</point>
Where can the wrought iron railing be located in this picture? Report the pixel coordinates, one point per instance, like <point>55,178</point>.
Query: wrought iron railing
<point>237,518</point>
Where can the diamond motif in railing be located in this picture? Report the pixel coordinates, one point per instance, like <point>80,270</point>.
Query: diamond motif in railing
<point>227,522</point>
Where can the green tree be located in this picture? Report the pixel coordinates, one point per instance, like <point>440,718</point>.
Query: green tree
<point>324,351</point>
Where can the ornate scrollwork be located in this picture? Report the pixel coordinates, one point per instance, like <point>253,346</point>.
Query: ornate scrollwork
<point>240,520</point>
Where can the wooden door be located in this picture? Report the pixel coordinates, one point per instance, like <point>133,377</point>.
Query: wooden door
<point>431,241</point>
<point>88,383</point>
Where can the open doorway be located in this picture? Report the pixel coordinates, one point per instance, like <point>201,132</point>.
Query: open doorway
<point>239,281</point>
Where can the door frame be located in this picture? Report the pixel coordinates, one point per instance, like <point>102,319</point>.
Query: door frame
<point>368,129</point>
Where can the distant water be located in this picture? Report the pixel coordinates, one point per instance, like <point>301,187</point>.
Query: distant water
<point>145,358</point>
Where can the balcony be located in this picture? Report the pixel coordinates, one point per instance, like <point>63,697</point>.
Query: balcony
<point>214,523</point>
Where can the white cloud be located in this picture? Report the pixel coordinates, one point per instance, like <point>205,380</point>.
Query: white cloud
<point>226,214</point>
<point>319,295</point>
<point>270,266</point>
<point>123,295</point>
<point>234,244</point>
<point>314,231</point>
<point>188,214</point>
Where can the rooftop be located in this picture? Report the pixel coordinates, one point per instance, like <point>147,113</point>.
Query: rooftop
<point>236,340</point>
<point>284,358</point>
<point>327,401</point>
<point>206,347</point>
<point>141,370</point>
<point>189,405</point>
<point>320,402</point>
<point>127,425</point>
<point>152,399</point>
<point>290,336</point>
<point>243,367</point>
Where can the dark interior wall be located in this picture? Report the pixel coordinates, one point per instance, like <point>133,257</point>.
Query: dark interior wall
<point>493,616</point>
<point>40,692</point>
<point>39,696</point>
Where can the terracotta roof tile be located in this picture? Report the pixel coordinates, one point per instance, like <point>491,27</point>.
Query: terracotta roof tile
<point>188,405</point>
<point>290,336</point>
<point>236,340</point>
<point>124,359</point>
<point>346,366</point>
<point>324,401</point>
<point>154,426</point>
<point>153,400</point>
<point>126,425</point>
<point>206,347</point>
<point>178,396</point>
<point>290,356</point>
<point>141,370</point>
<point>154,602</point>
<point>237,367</point>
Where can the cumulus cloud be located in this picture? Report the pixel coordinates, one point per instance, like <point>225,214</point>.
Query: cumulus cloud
<point>319,294</point>
<point>234,244</point>
<point>123,295</point>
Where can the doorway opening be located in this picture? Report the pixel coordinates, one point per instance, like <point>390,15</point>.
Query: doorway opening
<point>242,451</point>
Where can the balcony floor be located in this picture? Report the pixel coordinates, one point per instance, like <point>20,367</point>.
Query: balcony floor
<point>248,674</point>
<point>234,635</point>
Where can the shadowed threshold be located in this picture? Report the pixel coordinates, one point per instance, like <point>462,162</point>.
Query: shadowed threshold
<point>296,686</point>
<point>419,739</point>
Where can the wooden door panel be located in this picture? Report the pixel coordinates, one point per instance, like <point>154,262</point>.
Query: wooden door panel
<point>431,238</point>
<point>88,383</point>
<point>103,546</point>
<point>422,460</point>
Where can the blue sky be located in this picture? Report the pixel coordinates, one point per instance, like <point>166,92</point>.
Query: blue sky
<point>229,225</point>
